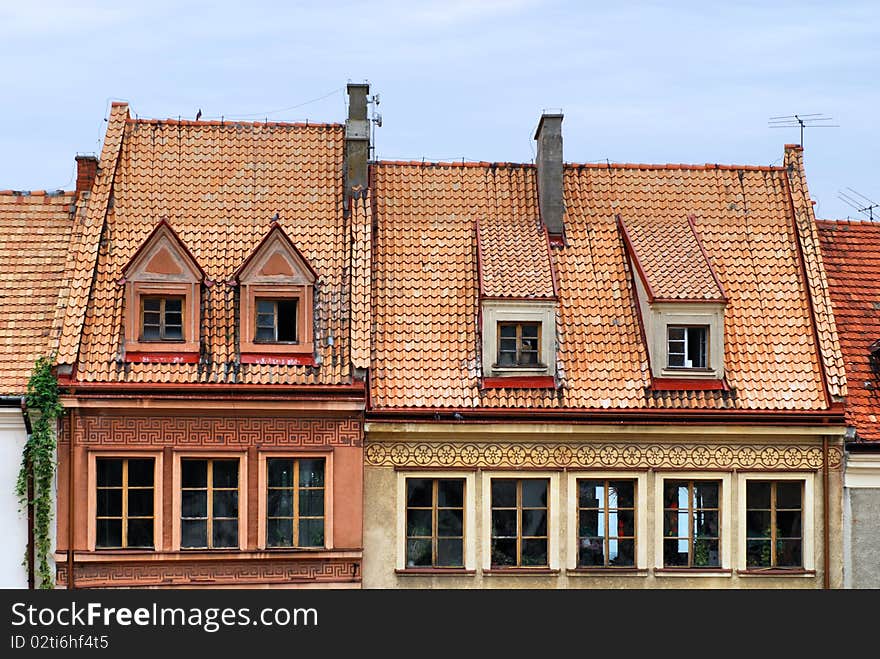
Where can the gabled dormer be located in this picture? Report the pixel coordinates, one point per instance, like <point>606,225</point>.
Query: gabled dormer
<point>681,301</point>
<point>162,284</point>
<point>276,301</point>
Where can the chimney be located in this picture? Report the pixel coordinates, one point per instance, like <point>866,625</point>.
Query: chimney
<point>86,171</point>
<point>357,140</point>
<point>549,137</point>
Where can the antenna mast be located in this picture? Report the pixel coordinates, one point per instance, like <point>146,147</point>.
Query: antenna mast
<point>858,201</point>
<point>375,120</point>
<point>801,121</point>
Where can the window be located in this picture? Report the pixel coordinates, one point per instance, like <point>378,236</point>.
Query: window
<point>687,347</point>
<point>295,502</point>
<point>435,522</point>
<point>774,524</point>
<point>519,522</point>
<point>691,523</point>
<point>161,318</point>
<point>209,504</point>
<point>124,515</point>
<point>276,321</point>
<point>606,523</point>
<point>519,344</point>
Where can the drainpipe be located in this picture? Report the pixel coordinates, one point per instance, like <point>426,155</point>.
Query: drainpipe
<point>21,402</point>
<point>826,577</point>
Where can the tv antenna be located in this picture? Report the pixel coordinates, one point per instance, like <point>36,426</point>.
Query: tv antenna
<point>817,120</point>
<point>375,121</point>
<point>859,202</point>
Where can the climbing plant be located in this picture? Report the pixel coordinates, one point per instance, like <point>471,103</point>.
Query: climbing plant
<point>38,458</point>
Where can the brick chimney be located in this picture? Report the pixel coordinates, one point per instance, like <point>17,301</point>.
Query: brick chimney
<point>86,171</point>
<point>357,140</point>
<point>549,138</point>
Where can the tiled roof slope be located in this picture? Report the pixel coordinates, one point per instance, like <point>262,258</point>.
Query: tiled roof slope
<point>513,250</point>
<point>34,235</point>
<point>426,286</point>
<point>851,250</point>
<point>671,258</point>
<point>219,185</point>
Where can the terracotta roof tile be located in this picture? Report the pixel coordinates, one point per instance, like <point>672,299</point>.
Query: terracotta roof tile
<point>35,232</point>
<point>427,287</point>
<point>851,251</point>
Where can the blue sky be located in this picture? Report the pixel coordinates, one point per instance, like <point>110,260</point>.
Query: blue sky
<point>657,82</point>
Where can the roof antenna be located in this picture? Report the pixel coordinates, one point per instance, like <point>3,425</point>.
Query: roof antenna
<point>375,120</point>
<point>818,120</point>
<point>859,202</point>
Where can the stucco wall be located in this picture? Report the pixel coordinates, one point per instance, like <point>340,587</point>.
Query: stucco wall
<point>864,515</point>
<point>14,525</point>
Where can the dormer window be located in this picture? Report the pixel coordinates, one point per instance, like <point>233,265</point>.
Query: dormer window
<point>162,289</point>
<point>687,347</point>
<point>276,296</point>
<point>519,345</point>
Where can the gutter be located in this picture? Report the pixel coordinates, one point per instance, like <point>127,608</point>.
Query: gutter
<point>21,402</point>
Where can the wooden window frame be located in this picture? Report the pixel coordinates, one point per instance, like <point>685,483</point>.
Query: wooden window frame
<point>92,502</point>
<point>520,508</point>
<point>303,294</point>
<point>773,510</point>
<point>706,353</point>
<point>605,510</point>
<point>137,292</point>
<point>691,511</point>
<point>177,498</point>
<point>435,516</point>
<point>275,316</point>
<point>163,299</point>
<point>295,489</point>
<point>209,490</point>
<point>519,327</point>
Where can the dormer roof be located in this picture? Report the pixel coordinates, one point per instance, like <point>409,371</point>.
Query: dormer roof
<point>276,259</point>
<point>514,257</point>
<point>163,256</point>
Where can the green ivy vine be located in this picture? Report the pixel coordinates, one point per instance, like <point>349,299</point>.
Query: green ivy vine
<point>38,458</point>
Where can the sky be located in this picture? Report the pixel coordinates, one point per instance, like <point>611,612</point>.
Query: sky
<point>650,82</point>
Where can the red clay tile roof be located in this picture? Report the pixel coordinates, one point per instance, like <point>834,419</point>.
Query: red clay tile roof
<point>34,236</point>
<point>851,250</point>
<point>514,258</point>
<point>426,341</point>
<point>669,256</point>
<point>219,185</point>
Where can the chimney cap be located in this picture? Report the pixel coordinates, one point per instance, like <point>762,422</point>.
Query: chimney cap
<point>552,115</point>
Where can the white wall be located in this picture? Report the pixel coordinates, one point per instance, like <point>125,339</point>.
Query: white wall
<point>13,524</point>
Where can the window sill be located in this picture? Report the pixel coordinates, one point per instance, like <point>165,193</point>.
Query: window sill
<point>286,359</point>
<point>435,572</point>
<point>520,571</point>
<point>777,572</point>
<point>607,572</point>
<point>520,382</point>
<point>179,356</point>
<point>692,572</point>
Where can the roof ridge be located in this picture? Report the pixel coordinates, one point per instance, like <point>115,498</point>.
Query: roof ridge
<point>283,124</point>
<point>857,222</point>
<point>36,193</point>
<point>450,163</point>
<point>588,165</point>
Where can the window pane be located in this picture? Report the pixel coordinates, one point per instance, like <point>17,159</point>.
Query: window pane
<point>153,304</point>
<point>194,503</point>
<point>280,503</point>
<point>194,473</point>
<point>534,552</point>
<point>140,533</point>
<point>225,533</point>
<point>280,472</point>
<point>225,473</point>
<point>504,551</point>
<point>590,493</point>
<point>173,305</point>
<point>530,332</point>
<point>109,472</point>
<point>311,533</point>
<point>676,333</point>
<point>626,524</point>
<point>788,524</point>
<point>418,553</point>
<point>504,523</point>
<point>266,307</point>
<point>287,320</point>
<point>311,473</point>
<point>194,533</point>
<point>450,493</point>
<point>503,493</point>
<point>528,358</point>
<point>706,524</point>
<point>758,553</point>
<point>226,503</point>
<point>450,522</point>
<point>591,552</point>
<point>589,524</point>
<point>758,495</point>
<point>675,360</point>
<point>675,494</point>
<point>706,553</point>
<point>534,522</point>
<point>279,532</point>
<point>706,495</point>
<point>140,472</point>
<point>311,503</point>
<point>508,332</point>
<point>108,533</point>
<point>534,494</point>
<point>697,346</point>
<point>758,524</point>
<point>140,503</point>
<point>173,332</point>
<point>507,358</point>
<point>109,503</point>
<point>675,524</point>
<point>265,334</point>
<point>788,494</point>
<point>450,552</point>
<point>418,523</point>
<point>789,553</point>
<point>626,553</point>
<point>419,492</point>
<point>173,318</point>
<point>675,553</point>
<point>151,333</point>
<point>625,491</point>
